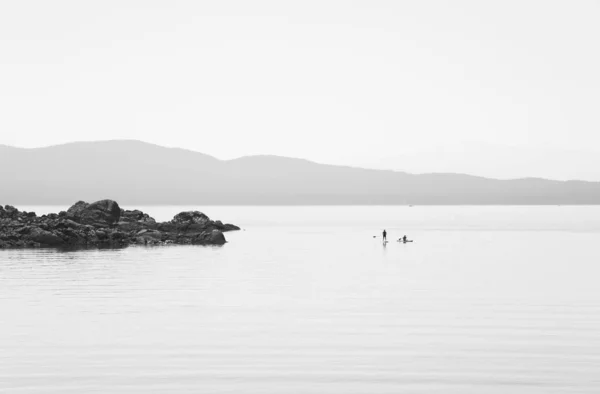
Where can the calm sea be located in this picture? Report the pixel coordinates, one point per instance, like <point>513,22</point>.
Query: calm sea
<point>306,300</point>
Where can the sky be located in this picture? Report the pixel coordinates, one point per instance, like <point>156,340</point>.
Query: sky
<point>446,86</point>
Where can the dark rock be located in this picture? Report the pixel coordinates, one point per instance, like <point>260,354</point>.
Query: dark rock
<point>104,224</point>
<point>195,221</point>
<point>24,230</point>
<point>10,212</point>
<point>136,216</point>
<point>135,221</point>
<point>104,213</point>
<point>191,221</point>
<point>71,224</point>
<point>151,236</point>
<point>77,208</point>
<point>190,217</point>
<point>167,227</point>
<point>44,237</point>
<point>216,237</point>
<point>118,236</point>
<point>225,227</point>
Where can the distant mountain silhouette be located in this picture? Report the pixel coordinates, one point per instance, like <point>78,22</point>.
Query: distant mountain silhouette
<point>134,172</point>
<point>482,159</point>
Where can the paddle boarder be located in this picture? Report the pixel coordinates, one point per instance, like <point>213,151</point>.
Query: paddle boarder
<point>384,236</point>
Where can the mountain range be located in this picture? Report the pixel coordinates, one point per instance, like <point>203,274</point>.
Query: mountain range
<point>135,172</point>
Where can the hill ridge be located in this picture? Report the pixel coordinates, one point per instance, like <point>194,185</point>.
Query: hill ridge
<point>137,172</point>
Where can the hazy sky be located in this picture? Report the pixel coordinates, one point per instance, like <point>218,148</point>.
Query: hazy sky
<point>363,83</point>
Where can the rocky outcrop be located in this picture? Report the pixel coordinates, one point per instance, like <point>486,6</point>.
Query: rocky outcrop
<point>136,220</point>
<point>104,213</point>
<point>104,223</point>
<point>194,221</point>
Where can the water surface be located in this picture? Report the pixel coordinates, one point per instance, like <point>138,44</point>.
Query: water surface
<point>305,300</point>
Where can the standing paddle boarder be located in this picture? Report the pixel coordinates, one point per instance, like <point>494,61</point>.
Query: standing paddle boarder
<point>384,236</point>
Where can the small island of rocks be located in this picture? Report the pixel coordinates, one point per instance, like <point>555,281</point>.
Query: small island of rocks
<point>105,224</point>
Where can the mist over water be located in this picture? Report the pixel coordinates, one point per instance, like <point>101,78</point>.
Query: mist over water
<point>305,299</point>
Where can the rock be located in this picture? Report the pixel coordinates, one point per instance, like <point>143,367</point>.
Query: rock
<point>167,227</point>
<point>151,235</point>
<point>104,223</point>
<point>225,227</point>
<point>118,236</point>
<point>195,221</point>
<point>135,221</point>
<point>217,238</point>
<point>10,212</point>
<point>71,224</point>
<point>214,237</point>
<point>76,209</point>
<point>44,237</point>
<point>190,217</point>
<point>104,213</point>
<point>24,230</point>
<point>136,216</point>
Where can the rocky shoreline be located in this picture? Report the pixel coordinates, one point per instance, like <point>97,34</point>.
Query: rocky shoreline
<point>103,223</point>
